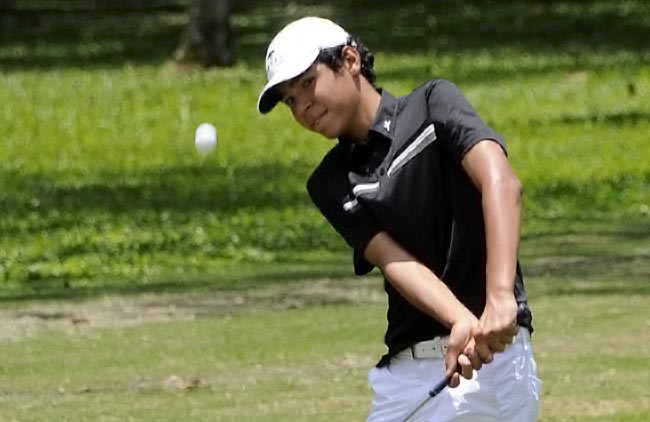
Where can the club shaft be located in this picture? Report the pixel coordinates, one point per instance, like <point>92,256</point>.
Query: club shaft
<point>432,393</point>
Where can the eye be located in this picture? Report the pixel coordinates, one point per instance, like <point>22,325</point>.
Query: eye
<point>288,101</point>
<point>307,82</point>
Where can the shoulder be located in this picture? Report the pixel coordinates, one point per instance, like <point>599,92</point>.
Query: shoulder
<point>434,87</point>
<point>445,102</point>
<point>432,94</point>
<point>414,111</point>
<point>440,91</point>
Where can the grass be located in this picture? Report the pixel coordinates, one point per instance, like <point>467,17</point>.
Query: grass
<point>101,189</point>
<point>242,375</point>
<point>100,180</point>
<point>278,361</point>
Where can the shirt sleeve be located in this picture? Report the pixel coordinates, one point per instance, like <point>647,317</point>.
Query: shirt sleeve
<point>329,191</point>
<point>451,112</point>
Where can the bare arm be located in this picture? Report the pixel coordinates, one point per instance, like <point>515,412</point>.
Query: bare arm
<point>420,286</point>
<point>491,173</point>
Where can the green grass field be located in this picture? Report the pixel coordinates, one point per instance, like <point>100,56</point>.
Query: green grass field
<point>301,352</point>
<point>140,281</point>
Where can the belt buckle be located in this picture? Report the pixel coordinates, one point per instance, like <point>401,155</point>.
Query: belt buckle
<point>434,348</point>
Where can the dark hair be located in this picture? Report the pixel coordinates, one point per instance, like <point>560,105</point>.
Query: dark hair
<point>332,57</point>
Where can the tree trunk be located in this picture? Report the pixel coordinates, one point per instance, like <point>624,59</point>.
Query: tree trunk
<point>207,39</point>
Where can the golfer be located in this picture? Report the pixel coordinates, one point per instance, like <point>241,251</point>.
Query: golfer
<point>420,187</point>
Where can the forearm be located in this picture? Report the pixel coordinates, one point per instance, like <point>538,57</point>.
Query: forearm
<point>502,213</point>
<point>500,189</point>
<point>415,282</point>
<point>424,290</point>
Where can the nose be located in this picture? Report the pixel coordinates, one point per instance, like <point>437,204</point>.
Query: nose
<point>302,103</point>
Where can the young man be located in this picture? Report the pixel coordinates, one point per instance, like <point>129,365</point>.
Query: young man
<point>421,188</point>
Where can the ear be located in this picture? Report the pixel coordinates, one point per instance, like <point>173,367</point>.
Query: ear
<point>351,60</point>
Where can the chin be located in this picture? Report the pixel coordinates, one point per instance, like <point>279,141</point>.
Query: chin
<point>329,134</point>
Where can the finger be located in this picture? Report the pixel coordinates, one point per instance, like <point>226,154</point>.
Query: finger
<point>509,327</point>
<point>477,363</point>
<point>483,352</point>
<point>466,368</point>
<point>515,330</point>
<point>455,347</point>
<point>451,364</point>
<point>454,380</point>
<point>510,334</point>
<point>507,340</point>
<point>497,345</point>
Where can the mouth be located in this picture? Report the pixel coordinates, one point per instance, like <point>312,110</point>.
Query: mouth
<point>317,120</point>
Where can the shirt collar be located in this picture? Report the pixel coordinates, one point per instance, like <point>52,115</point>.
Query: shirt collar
<point>384,122</point>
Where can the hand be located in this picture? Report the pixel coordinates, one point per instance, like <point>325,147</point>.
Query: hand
<point>460,359</point>
<point>497,327</point>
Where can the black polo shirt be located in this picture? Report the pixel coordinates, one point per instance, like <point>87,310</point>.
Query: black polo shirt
<point>407,180</point>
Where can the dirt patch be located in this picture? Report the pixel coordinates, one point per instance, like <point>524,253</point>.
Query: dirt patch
<point>28,319</point>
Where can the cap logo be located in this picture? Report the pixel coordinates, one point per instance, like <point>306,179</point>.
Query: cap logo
<point>271,60</point>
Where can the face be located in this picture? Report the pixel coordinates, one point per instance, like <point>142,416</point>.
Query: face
<point>323,100</point>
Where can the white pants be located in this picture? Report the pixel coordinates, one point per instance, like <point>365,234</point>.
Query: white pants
<point>507,389</point>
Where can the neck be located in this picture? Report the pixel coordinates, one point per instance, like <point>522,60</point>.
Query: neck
<point>366,111</point>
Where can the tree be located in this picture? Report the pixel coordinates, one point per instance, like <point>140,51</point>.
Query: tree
<point>207,39</point>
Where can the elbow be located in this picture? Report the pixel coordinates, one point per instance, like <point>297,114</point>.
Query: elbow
<point>517,188</point>
<point>509,188</point>
<point>391,270</point>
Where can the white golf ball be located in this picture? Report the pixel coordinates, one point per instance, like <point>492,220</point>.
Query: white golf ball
<point>205,139</point>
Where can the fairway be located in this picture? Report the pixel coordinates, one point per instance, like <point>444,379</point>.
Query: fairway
<point>142,281</point>
<point>302,352</point>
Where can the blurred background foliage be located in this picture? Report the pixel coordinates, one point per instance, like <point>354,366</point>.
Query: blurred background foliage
<point>101,32</point>
<point>100,189</point>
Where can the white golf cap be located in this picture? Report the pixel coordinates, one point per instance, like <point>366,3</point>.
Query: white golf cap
<point>293,50</point>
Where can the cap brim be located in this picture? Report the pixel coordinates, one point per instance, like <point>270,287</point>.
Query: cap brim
<point>268,99</point>
<point>287,71</point>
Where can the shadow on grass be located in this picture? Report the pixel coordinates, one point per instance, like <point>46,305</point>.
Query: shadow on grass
<point>622,118</point>
<point>629,288</point>
<point>226,190</point>
<point>103,34</point>
<point>583,265</point>
<point>63,289</point>
<point>579,234</point>
<point>589,256</point>
<point>629,118</point>
<point>606,195</point>
<point>219,190</point>
<point>584,261</point>
<point>593,257</point>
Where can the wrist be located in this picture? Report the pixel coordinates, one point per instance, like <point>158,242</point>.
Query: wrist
<point>500,293</point>
<point>465,317</point>
<point>500,288</point>
<point>497,299</point>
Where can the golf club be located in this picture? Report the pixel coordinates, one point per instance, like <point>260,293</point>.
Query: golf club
<point>432,393</point>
